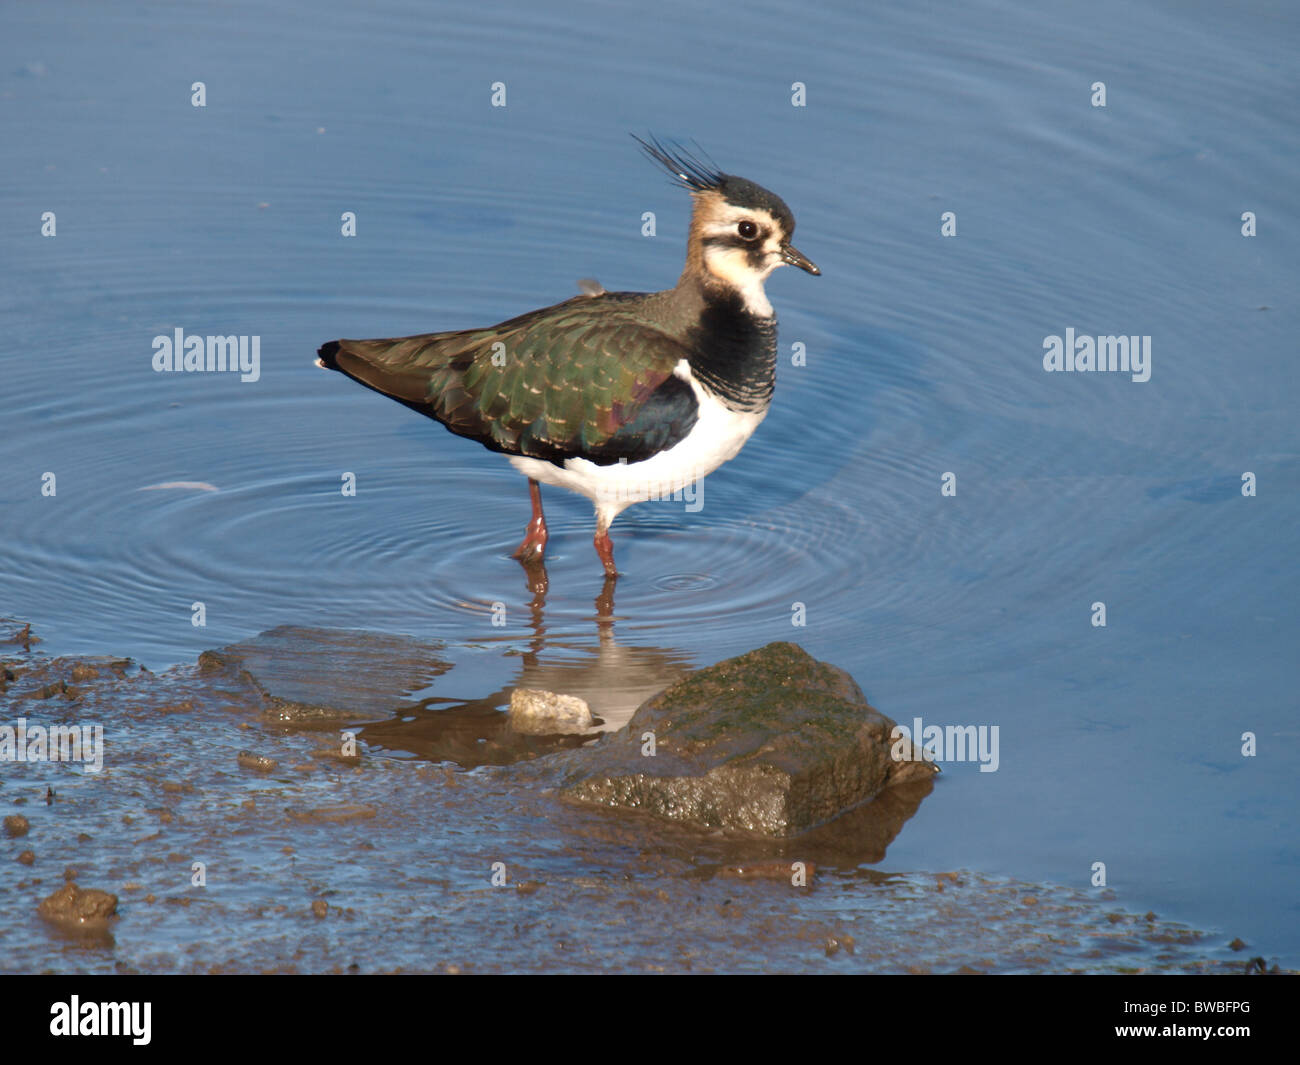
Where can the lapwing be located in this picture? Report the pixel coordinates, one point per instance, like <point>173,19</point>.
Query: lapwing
<point>621,397</point>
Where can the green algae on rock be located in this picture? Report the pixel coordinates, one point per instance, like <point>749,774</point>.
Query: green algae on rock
<point>772,742</point>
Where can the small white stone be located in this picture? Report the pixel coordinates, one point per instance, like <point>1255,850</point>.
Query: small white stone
<point>543,713</point>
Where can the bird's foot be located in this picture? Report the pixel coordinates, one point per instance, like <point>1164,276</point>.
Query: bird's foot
<point>605,549</point>
<point>530,554</point>
<point>533,548</point>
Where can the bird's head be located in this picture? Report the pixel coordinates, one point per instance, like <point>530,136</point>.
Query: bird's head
<point>740,232</point>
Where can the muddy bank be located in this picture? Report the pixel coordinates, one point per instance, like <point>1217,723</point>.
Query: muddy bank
<point>241,834</point>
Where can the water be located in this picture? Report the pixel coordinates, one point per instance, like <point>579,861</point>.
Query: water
<point>924,356</point>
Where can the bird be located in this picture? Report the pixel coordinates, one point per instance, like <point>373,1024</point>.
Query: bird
<point>621,397</point>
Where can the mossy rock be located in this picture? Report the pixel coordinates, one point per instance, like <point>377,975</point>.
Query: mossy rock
<point>772,742</point>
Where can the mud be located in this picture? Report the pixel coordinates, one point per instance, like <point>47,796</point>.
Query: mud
<point>388,836</point>
<point>73,908</point>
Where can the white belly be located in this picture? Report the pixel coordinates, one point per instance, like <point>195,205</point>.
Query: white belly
<point>718,435</point>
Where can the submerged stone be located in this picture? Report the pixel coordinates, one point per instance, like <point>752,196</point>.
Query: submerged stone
<point>74,907</point>
<point>542,713</point>
<point>772,742</point>
<point>322,676</point>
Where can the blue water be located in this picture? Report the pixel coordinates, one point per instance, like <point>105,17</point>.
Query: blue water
<point>1119,744</point>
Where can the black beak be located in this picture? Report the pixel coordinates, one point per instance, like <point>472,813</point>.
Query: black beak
<point>794,257</point>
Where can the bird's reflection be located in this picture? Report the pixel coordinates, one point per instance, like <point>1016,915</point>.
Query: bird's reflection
<point>538,584</point>
<point>613,678</point>
<point>859,836</point>
<point>329,680</point>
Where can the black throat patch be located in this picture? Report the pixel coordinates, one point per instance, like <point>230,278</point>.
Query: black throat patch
<point>733,352</point>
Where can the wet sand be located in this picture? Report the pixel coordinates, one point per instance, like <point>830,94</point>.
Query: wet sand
<point>240,836</point>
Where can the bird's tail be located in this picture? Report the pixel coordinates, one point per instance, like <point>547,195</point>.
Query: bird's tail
<point>327,355</point>
<point>383,365</point>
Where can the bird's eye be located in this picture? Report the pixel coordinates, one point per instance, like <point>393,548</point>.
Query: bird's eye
<point>747,229</point>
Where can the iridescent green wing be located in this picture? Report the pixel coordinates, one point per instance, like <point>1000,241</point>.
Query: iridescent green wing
<point>562,381</point>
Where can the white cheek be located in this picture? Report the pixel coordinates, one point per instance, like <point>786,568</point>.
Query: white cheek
<point>732,266</point>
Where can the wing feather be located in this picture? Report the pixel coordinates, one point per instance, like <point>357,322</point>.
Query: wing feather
<point>586,377</point>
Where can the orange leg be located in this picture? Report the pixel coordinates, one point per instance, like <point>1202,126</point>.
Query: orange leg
<point>604,548</point>
<point>534,544</point>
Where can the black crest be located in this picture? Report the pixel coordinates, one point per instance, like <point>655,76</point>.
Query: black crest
<point>687,168</point>
<point>702,175</point>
